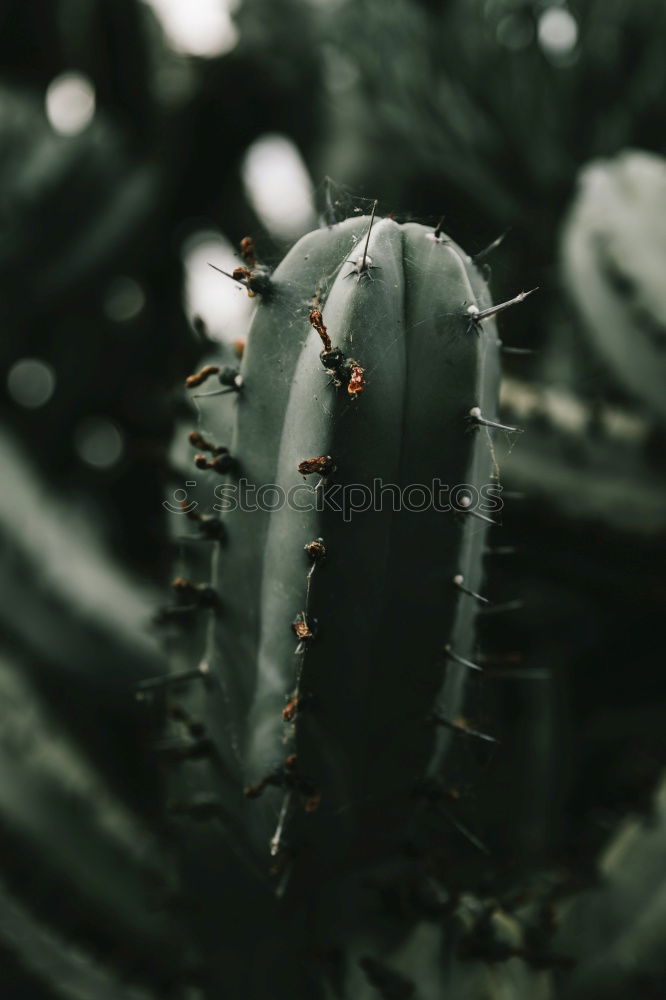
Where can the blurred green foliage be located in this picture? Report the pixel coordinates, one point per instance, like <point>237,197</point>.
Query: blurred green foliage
<point>484,112</point>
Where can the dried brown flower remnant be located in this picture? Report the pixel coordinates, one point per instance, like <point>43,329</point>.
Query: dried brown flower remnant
<point>316,549</point>
<point>197,440</point>
<point>248,252</point>
<point>222,463</point>
<point>192,381</point>
<point>301,629</point>
<point>254,791</point>
<point>317,320</point>
<point>322,465</point>
<point>290,709</point>
<point>357,383</point>
<point>241,274</point>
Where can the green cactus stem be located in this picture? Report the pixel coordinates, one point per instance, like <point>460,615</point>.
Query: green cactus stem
<point>372,359</point>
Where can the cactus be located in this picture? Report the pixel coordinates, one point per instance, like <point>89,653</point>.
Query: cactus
<point>330,847</point>
<point>323,668</point>
<point>613,264</point>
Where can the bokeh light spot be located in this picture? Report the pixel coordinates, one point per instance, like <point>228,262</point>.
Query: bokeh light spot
<point>31,382</point>
<point>70,103</point>
<point>279,187</point>
<point>197,27</point>
<point>221,303</point>
<point>557,32</point>
<point>98,442</point>
<point>124,299</point>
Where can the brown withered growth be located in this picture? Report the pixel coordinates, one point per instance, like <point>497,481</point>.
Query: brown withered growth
<point>322,465</point>
<point>317,320</point>
<point>192,381</point>
<point>197,440</point>
<point>248,252</point>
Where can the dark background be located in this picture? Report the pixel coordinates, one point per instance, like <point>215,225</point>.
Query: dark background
<point>481,112</point>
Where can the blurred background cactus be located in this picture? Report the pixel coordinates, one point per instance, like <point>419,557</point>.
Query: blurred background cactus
<point>142,140</point>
